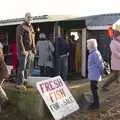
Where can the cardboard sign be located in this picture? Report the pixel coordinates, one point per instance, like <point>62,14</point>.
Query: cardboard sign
<point>57,97</point>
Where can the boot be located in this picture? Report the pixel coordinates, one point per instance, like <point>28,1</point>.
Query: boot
<point>93,106</point>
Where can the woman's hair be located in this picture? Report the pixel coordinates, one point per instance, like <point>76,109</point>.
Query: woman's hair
<point>92,44</point>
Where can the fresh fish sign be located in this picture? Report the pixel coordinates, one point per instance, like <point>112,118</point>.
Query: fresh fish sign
<point>57,97</point>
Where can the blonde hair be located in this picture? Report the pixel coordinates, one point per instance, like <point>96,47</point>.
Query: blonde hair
<point>92,44</point>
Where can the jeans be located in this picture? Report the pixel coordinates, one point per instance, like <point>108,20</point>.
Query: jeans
<point>94,90</point>
<point>24,67</point>
<point>29,64</point>
<point>62,66</point>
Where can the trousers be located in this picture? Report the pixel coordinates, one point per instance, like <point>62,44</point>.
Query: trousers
<point>94,90</point>
<point>25,65</point>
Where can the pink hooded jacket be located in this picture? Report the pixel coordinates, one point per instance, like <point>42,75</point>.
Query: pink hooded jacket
<point>115,54</point>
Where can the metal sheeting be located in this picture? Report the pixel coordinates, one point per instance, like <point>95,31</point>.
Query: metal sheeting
<point>36,19</point>
<point>100,22</point>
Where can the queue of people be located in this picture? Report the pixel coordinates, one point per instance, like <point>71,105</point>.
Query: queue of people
<point>56,56</point>
<point>46,51</point>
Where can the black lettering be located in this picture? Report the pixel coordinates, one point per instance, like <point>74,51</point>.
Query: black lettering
<point>55,107</point>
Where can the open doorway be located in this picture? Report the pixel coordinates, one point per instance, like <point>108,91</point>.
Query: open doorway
<point>74,61</point>
<point>75,34</point>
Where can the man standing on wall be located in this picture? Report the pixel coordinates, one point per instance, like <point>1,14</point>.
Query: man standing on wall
<point>25,50</point>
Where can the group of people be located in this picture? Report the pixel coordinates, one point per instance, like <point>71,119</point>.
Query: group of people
<point>26,50</point>
<point>96,64</point>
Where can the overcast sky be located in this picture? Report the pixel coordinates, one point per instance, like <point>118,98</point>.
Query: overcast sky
<point>17,8</point>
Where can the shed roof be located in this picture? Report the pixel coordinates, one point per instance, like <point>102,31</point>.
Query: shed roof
<point>36,19</point>
<point>92,22</point>
<point>100,20</point>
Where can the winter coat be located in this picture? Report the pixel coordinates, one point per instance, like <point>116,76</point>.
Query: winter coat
<point>61,47</point>
<point>115,55</point>
<point>45,49</point>
<point>95,65</point>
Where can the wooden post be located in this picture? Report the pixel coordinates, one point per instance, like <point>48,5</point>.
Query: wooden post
<point>83,67</point>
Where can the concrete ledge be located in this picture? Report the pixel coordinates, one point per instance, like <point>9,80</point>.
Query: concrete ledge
<point>31,106</point>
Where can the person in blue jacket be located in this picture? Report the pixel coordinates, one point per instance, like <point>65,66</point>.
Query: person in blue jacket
<point>95,70</point>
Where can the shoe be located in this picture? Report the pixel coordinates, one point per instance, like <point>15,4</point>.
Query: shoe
<point>93,106</point>
<point>27,85</point>
<point>21,87</point>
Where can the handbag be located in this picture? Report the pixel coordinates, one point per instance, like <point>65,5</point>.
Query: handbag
<point>107,69</point>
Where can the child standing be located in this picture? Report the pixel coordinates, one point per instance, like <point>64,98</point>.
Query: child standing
<point>95,70</point>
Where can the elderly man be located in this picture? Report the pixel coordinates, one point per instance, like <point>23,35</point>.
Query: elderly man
<point>25,50</point>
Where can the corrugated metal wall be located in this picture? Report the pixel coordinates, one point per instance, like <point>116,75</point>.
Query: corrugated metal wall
<point>103,45</point>
<point>103,42</point>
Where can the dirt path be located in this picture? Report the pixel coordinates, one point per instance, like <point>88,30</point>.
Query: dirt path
<point>110,108</point>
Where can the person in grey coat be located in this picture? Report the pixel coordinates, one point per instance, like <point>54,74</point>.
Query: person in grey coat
<point>45,49</point>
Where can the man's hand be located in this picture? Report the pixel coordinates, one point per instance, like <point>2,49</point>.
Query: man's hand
<point>34,51</point>
<point>25,53</point>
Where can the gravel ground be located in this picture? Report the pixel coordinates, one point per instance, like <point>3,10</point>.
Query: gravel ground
<point>109,110</point>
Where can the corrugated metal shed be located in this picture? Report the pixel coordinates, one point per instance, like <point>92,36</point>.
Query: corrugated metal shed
<point>36,19</point>
<point>95,22</point>
<point>100,22</point>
